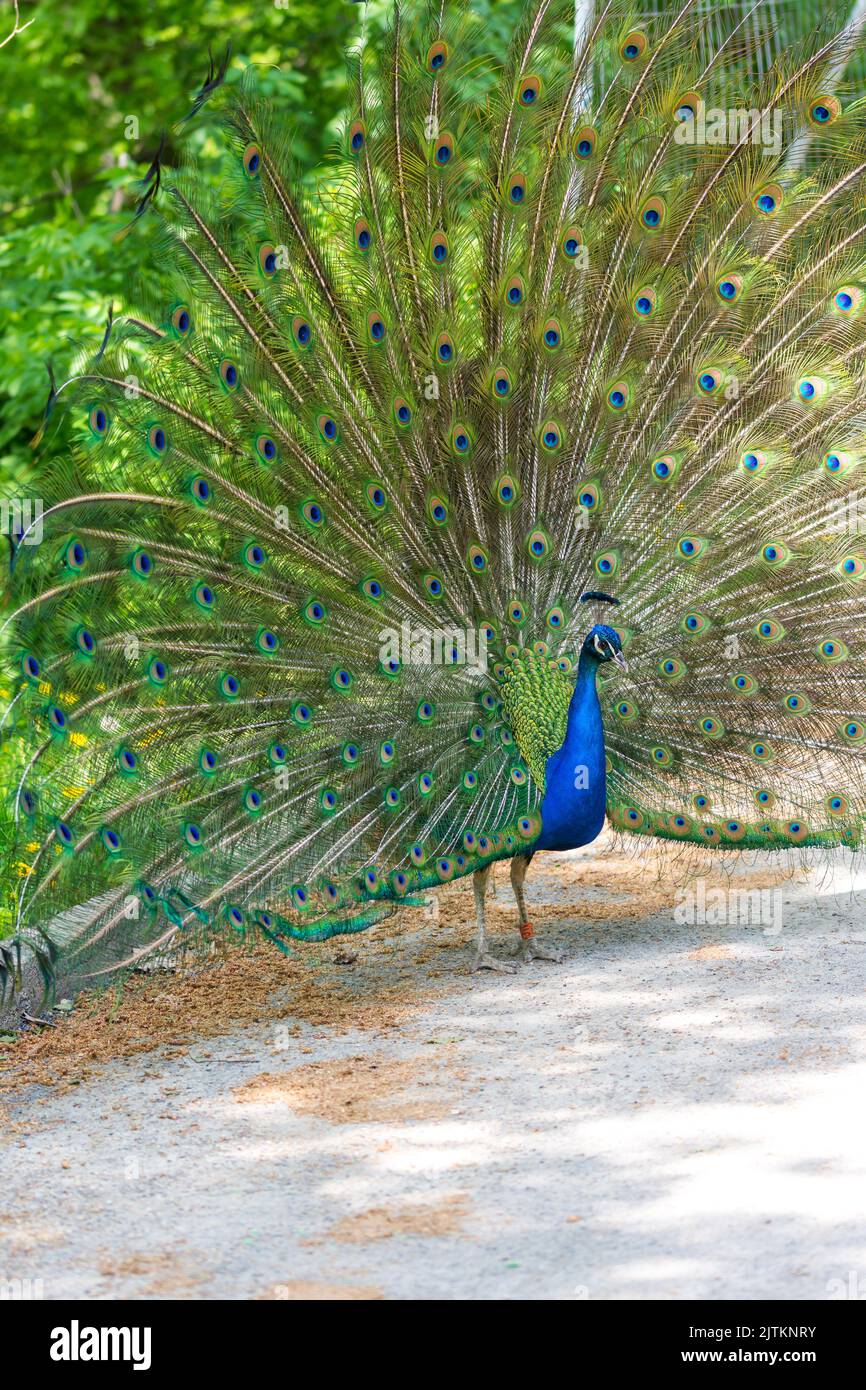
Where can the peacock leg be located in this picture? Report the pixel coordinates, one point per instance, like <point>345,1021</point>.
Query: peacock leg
<point>530,947</point>
<point>481,959</point>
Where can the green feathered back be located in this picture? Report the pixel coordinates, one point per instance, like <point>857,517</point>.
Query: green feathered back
<point>297,637</point>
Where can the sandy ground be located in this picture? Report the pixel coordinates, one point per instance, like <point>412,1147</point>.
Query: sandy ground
<point>676,1111</point>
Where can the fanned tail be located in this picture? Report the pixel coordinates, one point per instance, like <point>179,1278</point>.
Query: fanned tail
<point>544,326</point>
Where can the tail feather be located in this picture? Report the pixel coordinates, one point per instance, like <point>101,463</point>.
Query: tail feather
<point>575,321</point>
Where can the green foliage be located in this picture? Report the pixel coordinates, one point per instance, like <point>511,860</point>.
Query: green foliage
<point>88,89</point>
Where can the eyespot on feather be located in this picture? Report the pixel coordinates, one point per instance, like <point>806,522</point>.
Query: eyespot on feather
<point>572,243</point>
<point>443,149</point>
<point>584,142</point>
<point>515,189</point>
<point>824,110</point>
<point>327,427</point>
<point>268,264</point>
<point>551,335</point>
<point>633,46</point>
<point>768,200</point>
<point>229,374</point>
<point>500,383</point>
<point>729,288</point>
<point>444,349</point>
<point>181,320</point>
<point>437,57</point>
<point>515,291</point>
<point>439,249</point>
<point>618,396</point>
<point>357,138</point>
<point>643,303</point>
<point>652,214</point>
<point>363,235</point>
<point>529,90</point>
<point>252,161</point>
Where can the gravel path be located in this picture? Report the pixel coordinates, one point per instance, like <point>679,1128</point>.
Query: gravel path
<point>676,1111</point>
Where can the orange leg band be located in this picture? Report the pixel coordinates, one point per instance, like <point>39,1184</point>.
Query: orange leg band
<point>526,930</point>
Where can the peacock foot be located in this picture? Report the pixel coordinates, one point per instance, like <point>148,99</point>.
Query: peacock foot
<point>482,960</point>
<point>530,948</point>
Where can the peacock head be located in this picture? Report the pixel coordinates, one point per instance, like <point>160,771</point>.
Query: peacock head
<point>602,643</point>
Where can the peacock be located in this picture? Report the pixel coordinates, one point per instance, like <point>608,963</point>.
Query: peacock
<point>501,482</point>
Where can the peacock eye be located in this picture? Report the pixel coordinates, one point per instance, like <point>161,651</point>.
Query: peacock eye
<point>229,375</point>
<point>252,161</point>
<point>824,110</point>
<point>312,513</point>
<point>607,563</point>
<point>571,243</point>
<point>433,586</point>
<point>268,261</point>
<point>357,136</point>
<point>652,214</point>
<point>375,327</point>
<point>516,189</point>
<point>363,235</point>
<point>618,396</point>
<point>437,57</point>
<point>443,149</point>
<point>99,421</point>
<point>477,558</point>
<point>460,439</point>
<point>584,142</point>
<point>709,381</point>
<point>538,545</point>
<point>633,46</point>
<point>301,332</point>
<point>768,200</point>
<point>529,90</point>
<point>254,555</point>
<point>181,320</point>
<point>157,440</point>
<point>439,248</point>
<point>75,555</point>
<point>266,448</point>
<point>445,352</point>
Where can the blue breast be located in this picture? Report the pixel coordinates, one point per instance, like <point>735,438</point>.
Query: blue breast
<point>573,809</point>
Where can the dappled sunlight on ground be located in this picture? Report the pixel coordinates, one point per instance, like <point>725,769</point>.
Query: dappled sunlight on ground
<point>675,1112</point>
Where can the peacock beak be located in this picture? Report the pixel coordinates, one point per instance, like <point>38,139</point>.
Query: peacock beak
<point>620,661</point>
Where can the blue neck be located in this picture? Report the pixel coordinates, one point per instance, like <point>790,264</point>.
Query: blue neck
<point>572,812</point>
